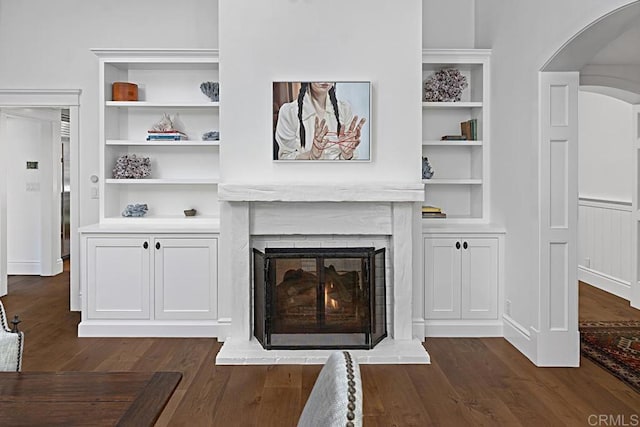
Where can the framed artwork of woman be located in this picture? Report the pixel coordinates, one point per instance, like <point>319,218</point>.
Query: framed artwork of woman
<point>321,121</point>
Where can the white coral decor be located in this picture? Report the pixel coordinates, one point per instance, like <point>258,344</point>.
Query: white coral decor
<point>130,166</point>
<point>445,85</point>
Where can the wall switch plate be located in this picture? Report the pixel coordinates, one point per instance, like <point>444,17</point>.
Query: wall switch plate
<point>94,193</point>
<point>507,307</point>
<point>33,186</point>
<point>587,262</point>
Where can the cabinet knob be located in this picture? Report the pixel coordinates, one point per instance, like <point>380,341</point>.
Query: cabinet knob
<point>464,245</point>
<point>157,245</point>
<point>457,245</point>
<point>145,245</point>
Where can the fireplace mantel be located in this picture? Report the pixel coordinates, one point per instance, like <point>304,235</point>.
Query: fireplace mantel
<point>298,212</point>
<point>326,192</point>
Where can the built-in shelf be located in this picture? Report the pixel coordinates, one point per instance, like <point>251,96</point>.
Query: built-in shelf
<point>164,143</point>
<point>450,143</point>
<point>164,181</point>
<point>460,186</point>
<point>452,104</point>
<point>144,104</point>
<point>452,181</point>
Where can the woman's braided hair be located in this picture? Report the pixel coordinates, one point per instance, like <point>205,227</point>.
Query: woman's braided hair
<point>334,101</point>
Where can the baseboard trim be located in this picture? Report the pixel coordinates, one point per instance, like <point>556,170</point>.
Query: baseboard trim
<point>463,328</point>
<point>153,329</point>
<point>613,285</point>
<point>519,337</point>
<point>24,268</point>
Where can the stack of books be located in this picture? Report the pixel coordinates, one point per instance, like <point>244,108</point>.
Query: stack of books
<point>469,129</point>
<point>469,132</point>
<point>432,212</point>
<point>166,135</point>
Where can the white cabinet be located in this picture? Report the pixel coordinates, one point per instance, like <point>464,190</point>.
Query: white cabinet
<point>146,284</point>
<point>460,184</point>
<point>184,174</point>
<point>118,277</point>
<point>185,272</point>
<point>462,277</point>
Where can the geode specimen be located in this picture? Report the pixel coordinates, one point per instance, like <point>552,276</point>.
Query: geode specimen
<point>137,210</point>
<point>131,166</point>
<point>445,85</point>
<point>427,170</point>
<point>211,89</point>
<point>213,135</point>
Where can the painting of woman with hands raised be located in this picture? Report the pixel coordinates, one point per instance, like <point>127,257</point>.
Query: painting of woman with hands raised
<point>321,120</point>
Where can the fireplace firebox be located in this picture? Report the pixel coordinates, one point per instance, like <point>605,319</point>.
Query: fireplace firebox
<point>314,298</point>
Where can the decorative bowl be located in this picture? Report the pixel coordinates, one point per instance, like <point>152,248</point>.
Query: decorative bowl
<point>190,212</point>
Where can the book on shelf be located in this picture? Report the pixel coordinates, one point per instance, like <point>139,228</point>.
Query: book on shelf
<point>431,209</point>
<point>453,138</point>
<point>469,129</point>
<point>172,135</point>
<point>434,215</point>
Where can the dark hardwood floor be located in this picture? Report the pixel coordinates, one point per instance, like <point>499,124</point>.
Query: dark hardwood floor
<point>470,381</point>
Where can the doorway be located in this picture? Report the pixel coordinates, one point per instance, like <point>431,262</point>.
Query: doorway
<point>65,196</point>
<point>559,80</point>
<point>32,143</point>
<point>37,99</point>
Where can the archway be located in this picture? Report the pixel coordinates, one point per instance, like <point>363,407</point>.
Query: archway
<point>558,339</point>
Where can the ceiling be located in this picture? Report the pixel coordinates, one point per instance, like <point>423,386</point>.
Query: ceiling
<point>624,50</point>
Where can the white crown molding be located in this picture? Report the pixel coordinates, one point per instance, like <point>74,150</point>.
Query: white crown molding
<point>160,55</point>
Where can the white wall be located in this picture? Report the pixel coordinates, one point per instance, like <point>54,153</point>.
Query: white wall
<point>523,36</point>
<point>448,24</point>
<point>330,40</point>
<point>45,44</point>
<point>605,177</point>
<point>605,148</point>
<point>32,195</point>
<point>25,142</point>
<point>605,246</point>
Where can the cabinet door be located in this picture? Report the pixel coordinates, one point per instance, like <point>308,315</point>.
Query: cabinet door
<point>186,278</point>
<point>480,278</point>
<point>442,278</point>
<point>118,278</point>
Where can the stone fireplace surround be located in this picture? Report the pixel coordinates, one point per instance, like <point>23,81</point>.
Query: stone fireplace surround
<point>308,215</point>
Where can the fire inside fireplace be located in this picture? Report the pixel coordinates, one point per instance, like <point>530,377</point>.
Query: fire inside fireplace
<point>319,297</point>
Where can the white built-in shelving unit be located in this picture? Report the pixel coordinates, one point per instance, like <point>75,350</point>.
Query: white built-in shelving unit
<point>460,185</point>
<point>184,174</point>
<point>463,253</point>
<point>155,275</point>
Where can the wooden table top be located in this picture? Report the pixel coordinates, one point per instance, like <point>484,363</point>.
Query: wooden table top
<point>84,398</point>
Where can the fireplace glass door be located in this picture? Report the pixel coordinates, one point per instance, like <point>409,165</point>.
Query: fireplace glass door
<point>319,297</point>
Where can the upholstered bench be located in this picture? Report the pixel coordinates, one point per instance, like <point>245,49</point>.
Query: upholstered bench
<point>11,343</point>
<point>336,397</point>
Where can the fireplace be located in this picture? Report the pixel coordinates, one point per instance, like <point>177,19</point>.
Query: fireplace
<point>313,298</point>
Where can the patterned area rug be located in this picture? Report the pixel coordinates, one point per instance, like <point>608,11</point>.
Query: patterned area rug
<point>615,346</point>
